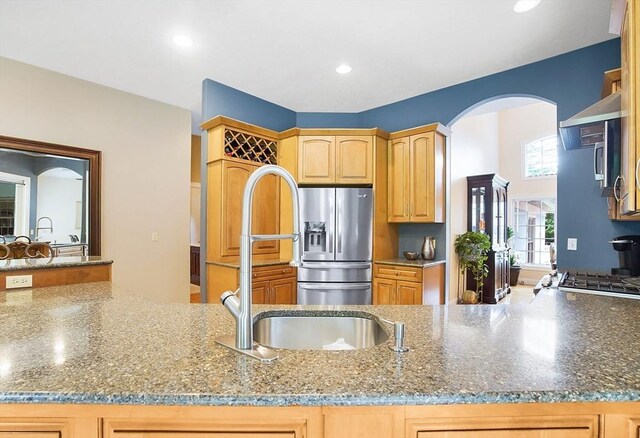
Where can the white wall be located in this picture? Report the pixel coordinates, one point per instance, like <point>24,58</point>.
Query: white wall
<point>474,151</point>
<point>145,148</point>
<point>57,198</point>
<point>519,127</point>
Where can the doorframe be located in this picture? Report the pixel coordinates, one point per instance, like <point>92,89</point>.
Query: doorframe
<point>25,199</point>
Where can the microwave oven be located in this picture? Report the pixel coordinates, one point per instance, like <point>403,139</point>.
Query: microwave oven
<point>607,156</point>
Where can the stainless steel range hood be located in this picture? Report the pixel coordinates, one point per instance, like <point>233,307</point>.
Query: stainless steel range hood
<point>586,128</point>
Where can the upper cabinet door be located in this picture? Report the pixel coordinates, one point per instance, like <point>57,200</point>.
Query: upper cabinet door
<point>234,179</point>
<point>266,214</point>
<point>398,180</point>
<point>354,160</point>
<point>316,160</point>
<point>421,186</point>
<point>427,178</point>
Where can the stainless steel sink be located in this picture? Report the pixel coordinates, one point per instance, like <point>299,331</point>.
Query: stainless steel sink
<point>318,330</point>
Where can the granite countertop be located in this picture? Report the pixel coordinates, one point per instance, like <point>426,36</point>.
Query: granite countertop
<point>93,343</point>
<point>255,263</point>
<point>401,261</point>
<point>53,262</point>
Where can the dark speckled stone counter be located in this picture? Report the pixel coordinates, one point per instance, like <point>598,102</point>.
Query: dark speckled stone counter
<point>412,263</point>
<point>92,343</point>
<point>54,262</point>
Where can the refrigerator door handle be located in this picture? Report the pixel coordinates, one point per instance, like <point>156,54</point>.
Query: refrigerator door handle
<point>338,229</point>
<point>330,286</point>
<point>332,265</point>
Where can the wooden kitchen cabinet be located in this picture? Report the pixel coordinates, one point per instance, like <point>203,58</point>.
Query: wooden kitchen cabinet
<point>416,184</point>
<point>338,159</point>
<point>235,150</point>
<point>630,122</point>
<point>227,180</point>
<point>276,284</point>
<point>577,426</point>
<point>396,284</point>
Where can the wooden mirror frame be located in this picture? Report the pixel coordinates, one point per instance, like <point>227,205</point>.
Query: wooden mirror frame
<point>94,158</point>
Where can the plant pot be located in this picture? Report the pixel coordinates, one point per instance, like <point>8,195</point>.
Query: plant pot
<point>469,297</point>
<point>514,273</point>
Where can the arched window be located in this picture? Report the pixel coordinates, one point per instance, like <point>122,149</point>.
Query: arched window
<point>541,157</point>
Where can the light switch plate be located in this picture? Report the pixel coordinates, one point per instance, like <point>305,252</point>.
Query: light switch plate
<point>17,281</point>
<point>572,244</point>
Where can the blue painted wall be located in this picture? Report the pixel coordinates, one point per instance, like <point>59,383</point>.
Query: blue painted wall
<point>327,120</point>
<point>220,99</point>
<point>572,81</point>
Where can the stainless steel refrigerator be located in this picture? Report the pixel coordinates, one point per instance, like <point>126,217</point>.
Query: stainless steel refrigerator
<point>338,226</point>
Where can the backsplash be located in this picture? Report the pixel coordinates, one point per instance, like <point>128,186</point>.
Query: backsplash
<point>412,236</point>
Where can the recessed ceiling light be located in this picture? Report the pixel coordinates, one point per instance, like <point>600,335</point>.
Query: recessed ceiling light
<point>343,69</point>
<point>182,41</point>
<point>525,5</point>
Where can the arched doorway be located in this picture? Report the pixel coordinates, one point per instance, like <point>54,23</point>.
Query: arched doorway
<point>499,135</point>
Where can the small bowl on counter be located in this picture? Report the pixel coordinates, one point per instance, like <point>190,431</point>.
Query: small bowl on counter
<point>409,255</point>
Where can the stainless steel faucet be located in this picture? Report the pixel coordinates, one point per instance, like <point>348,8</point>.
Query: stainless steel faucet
<point>38,227</point>
<point>241,309</point>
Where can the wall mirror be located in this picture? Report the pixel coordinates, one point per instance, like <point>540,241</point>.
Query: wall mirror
<point>50,193</point>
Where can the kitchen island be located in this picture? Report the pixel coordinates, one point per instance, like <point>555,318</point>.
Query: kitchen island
<point>88,358</point>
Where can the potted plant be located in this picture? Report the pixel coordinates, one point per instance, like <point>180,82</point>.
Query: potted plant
<point>514,270</point>
<point>472,248</point>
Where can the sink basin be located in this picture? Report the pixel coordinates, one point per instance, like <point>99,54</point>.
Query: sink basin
<point>318,330</point>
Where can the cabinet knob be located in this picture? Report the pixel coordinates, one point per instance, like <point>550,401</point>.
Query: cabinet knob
<point>254,275</point>
<point>284,271</point>
<point>397,273</point>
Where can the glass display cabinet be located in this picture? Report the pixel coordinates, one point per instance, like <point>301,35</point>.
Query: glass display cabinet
<point>487,213</point>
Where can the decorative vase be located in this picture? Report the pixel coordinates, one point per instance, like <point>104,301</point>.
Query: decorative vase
<point>428,251</point>
<point>469,297</point>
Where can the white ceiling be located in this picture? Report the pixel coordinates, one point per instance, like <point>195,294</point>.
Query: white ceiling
<point>286,51</point>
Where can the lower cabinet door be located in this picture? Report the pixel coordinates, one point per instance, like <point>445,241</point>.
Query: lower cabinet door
<point>283,291</point>
<point>384,291</point>
<point>260,291</point>
<point>408,293</point>
<point>126,434</point>
<point>192,428</point>
<point>570,426</point>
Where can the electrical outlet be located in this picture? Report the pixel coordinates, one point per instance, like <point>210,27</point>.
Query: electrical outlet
<point>154,236</point>
<point>17,281</point>
<point>572,244</point>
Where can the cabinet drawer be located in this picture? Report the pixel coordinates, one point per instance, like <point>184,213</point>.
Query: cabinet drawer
<point>270,272</point>
<point>405,273</point>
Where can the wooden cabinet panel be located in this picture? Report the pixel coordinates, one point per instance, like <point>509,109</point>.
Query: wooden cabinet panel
<point>578,426</point>
<point>316,160</point>
<point>408,293</point>
<point>395,272</point>
<point>416,184</point>
<point>629,83</point>
<point>271,272</point>
<point>370,422</point>
<point>177,434</point>
<point>398,180</point>
<point>266,214</point>
<point>260,292</point>
<point>354,160</point>
<point>22,434</point>
<point>421,185</point>
<point>394,284</point>
<point>202,429</point>
<point>384,291</point>
<point>234,179</point>
<point>283,291</point>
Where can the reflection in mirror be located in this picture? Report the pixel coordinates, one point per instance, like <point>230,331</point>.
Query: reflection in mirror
<point>50,193</point>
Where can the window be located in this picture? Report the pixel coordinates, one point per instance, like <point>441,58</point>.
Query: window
<point>541,157</point>
<point>534,227</point>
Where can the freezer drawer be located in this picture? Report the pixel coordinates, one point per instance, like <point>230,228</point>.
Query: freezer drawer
<point>335,272</point>
<point>334,293</point>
